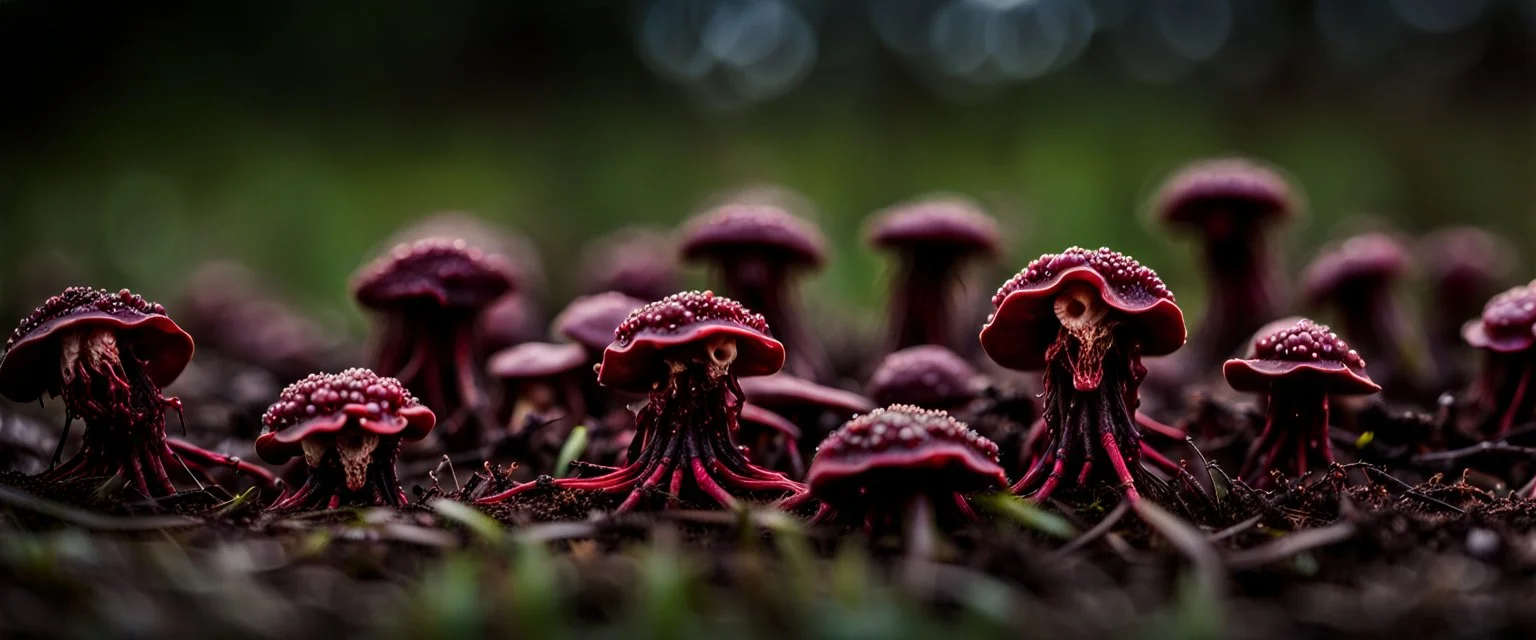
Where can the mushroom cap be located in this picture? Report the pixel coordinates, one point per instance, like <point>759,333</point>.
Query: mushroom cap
<point>948,223</point>
<point>1465,255</point>
<point>754,414</point>
<point>1507,323</point>
<point>639,262</point>
<point>30,366</point>
<point>636,359</point>
<point>1369,258</point>
<point>903,445</point>
<point>729,229</point>
<point>1302,351</point>
<point>521,254</point>
<point>1023,324</point>
<point>1199,191</point>
<point>446,273</point>
<point>325,403</point>
<point>536,360</point>
<point>927,375</point>
<point>785,390</point>
<point>591,321</point>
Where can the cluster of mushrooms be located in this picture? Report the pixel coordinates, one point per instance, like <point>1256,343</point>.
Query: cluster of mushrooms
<point>701,400</point>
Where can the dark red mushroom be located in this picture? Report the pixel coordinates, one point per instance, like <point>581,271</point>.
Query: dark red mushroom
<point>816,409</point>
<point>543,398</point>
<point>1086,318</point>
<point>634,261</point>
<point>1358,279</point>
<point>757,251</point>
<point>1506,333</point>
<point>929,376</point>
<point>1296,368</point>
<point>1231,204</point>
<point>1465,266</point>
<point>108,355</point>
<point>348,426</point>
<point>934,239</point>
<point>903,466</point>
<point>590,321</point>
<point>429,296</point>
<point>685,352</point>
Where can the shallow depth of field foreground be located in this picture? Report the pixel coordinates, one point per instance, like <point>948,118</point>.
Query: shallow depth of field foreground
<point>768,318</point>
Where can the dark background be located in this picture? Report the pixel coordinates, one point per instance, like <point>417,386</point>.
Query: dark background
<point>140,139</point>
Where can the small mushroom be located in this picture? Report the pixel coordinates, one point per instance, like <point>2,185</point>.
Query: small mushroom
<point>934,239</point>
<point>1296,368</point>
<point>685,353</point>
<point>903,466</point>
<point>1086,318</point>
<point>348,426</point>
<point>1465,267</point>
<point>1506,334</point>
<point>757,250</point>
<point>429,296</point>
<point>633,261</point>
<point>108,355</point>
<point>1358,278</point>
<point>929,376</point>
<point>543,395</point>
<point>591,321</point>
<point>231,313</point>
<point>1232,204</point>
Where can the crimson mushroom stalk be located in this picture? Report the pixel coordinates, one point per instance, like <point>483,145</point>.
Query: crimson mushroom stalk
<point>1506,334</point>
<point>1296,368</point>
<point>1465,267</point>
<point>685,351</point>
<point>1231,204</point>
<point>543,398</point>
<point>905,466</point>
<point>1086,318</point>
<point>429,296</point>
<point>1358,279</point>
<point>108,355</point>
<point>348,426</point>
<point>934,239</point>
<point>757,251</point>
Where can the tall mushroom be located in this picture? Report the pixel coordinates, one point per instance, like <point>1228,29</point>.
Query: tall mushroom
<point>1086,318</point>
<point>1296,368</point>
<point>1231,204</point>
<point>903,466</point>
<point>757,251</point>
<point>108,355</point>
<point>1506,333</point>
<point>1465,266</point>
<point>348,426</point>
<point>543,398</point>
<point>685,352</point>
<point>1358,278</point>
<point>934,239</point>
<point>429,296</point>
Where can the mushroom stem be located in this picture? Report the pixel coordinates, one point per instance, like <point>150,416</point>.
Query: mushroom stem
<point>1295,436</point>
<point>919,525</point>
<point>1373,321</point>
<point>1082,425</point>
<point>763,285</point>
<point>922,300</point>
<point>684,437</point>
<point>1503,390</point>
<point>343,478</point>
<point>1241,291</point>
